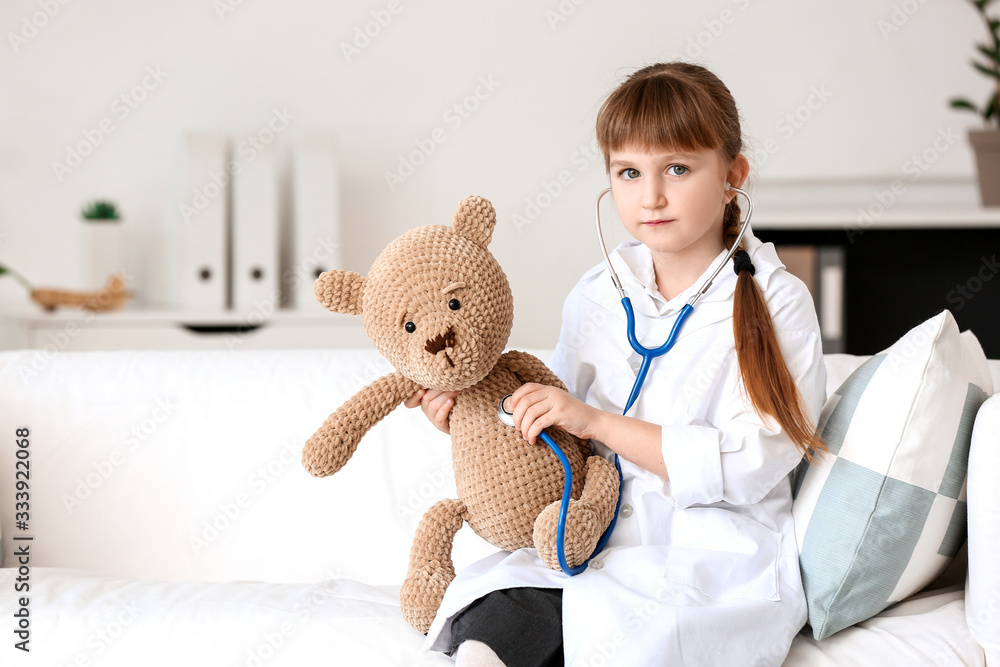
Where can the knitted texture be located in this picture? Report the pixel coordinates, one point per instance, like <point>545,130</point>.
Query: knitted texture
<point>586,518</point>
<point>438,306</point>
<point>334,443</point>
<point>430,563</point>
<point>341,293</point>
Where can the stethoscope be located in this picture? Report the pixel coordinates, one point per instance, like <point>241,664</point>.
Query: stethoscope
<point>647,354</point>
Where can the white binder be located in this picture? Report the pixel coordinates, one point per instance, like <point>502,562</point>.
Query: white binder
<point>316,216</point>
<point>203,225</point>
<point>255,226</point>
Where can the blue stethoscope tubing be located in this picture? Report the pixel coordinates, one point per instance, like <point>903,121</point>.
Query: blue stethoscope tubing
<point>647,354</point>
<point>507,417</point>
<point>564,508</point>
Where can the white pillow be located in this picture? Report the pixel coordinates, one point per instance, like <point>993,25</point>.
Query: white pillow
<point>884,513</point>
<point>982,604</point>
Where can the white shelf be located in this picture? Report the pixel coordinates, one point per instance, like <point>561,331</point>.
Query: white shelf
<point>157,317</point>
<point>71,329</point>
<point>889,218</point>
<point>890,201</point>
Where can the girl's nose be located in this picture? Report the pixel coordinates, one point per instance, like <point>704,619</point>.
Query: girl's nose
<point>654,196</point>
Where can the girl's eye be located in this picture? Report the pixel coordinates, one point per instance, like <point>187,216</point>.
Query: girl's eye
<point>677,169</point>
<point>454,304</point>
<point>410,327</point>
<point>629,174</point>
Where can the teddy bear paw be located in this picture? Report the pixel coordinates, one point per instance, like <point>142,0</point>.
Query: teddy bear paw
<point>583,530</point>
<point>586,518</point>
<point>421,595</point>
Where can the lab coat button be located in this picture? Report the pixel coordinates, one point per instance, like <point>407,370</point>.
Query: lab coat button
<point>625,512</point>
<point>596,564</point>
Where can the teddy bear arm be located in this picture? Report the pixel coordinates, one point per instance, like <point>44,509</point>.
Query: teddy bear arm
<point>334,442</point>
<point>531,369</point>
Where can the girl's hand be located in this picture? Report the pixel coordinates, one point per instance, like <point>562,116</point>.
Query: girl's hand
<point>538,406</point>
<point>436,405</point>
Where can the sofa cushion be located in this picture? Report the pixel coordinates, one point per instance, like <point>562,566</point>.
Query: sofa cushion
<point>82,618</point>
<point>884,513</point>
<point>926,629</point>
<point>983,594</point>
<point>186,465</point>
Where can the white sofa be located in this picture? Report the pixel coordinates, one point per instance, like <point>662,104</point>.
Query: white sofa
<point>172,523</point>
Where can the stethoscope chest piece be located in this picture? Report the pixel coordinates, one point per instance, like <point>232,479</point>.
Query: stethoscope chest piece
<point>506,417</point>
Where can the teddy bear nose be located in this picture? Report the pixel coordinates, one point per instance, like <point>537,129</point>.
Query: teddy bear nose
<point>441,342</point>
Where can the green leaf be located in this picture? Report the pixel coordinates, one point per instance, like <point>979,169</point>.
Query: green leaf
<point>992,54</point>
<point>962,103</point>
<point>991,108</point>
<point>4,271</point>
<point>988,71</point>
<point>100,210</point>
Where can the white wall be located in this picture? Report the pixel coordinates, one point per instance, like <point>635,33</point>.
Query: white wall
<point>226,65</point>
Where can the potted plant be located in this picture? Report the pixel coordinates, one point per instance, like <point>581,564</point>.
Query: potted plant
<point>103,242</point>
<point>986,142</point>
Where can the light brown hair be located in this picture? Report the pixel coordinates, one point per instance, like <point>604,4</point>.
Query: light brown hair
<point>683,106</point>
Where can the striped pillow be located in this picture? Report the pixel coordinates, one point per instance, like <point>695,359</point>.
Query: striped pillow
<point>883,514</point>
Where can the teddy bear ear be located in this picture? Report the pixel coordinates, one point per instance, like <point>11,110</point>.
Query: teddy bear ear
<point>475,219</point>
<point>340,291</point>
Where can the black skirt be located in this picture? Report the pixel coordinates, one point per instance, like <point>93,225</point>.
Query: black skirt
<point>523,626</point>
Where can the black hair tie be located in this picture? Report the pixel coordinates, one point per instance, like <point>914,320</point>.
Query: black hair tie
<point>741,262</point>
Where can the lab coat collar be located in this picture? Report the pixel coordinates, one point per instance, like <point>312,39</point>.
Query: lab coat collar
<point>634,264</point>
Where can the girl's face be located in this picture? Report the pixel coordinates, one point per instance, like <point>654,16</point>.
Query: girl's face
<point>673,202</point>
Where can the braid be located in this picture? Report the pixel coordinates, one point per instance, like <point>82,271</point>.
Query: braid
<point>731,223</point>
<point>769,384</point>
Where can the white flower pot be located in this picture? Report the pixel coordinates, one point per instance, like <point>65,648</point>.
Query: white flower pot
<point>104,252</point>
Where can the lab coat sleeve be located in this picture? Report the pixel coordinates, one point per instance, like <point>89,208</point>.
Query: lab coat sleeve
<point>733,455</point>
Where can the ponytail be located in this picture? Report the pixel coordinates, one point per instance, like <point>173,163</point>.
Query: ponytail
<point>768,382</point>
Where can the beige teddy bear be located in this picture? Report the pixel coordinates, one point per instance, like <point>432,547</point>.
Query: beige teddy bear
<point>438,306</point>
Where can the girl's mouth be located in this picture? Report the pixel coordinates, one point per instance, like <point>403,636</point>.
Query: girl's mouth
<point>657,223</point>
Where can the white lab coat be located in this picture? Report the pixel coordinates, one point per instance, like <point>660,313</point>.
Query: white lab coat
<point>701,569</point>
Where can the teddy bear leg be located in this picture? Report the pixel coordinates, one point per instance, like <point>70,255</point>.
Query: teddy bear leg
<point>430,569</point>
<point>586,518</point>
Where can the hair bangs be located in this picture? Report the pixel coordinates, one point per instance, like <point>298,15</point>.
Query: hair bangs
<point>658,113</point>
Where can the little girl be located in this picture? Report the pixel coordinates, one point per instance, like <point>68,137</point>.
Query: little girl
<point>702,567</point>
